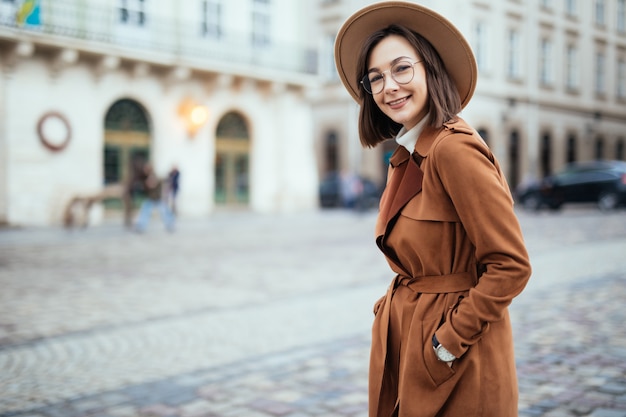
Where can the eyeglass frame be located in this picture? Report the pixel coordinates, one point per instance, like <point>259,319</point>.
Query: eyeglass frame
<point>382,73</point>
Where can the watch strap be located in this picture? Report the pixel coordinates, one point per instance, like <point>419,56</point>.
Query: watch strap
<point>442,353</point>
<point>435,341</point>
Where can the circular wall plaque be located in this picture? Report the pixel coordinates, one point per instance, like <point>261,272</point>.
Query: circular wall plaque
<point>54,131</point>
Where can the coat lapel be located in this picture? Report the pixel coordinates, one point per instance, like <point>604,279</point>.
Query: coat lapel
<point>404,184</point>
<point>406,179</point>
<point>409,186</point>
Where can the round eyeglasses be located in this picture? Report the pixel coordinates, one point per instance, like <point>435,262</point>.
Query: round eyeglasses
<point>402,73</point>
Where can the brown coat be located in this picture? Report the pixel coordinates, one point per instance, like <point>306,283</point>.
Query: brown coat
<point>447,224</point>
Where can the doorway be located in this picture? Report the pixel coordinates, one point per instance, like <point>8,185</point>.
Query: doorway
<point>232,162</point>
<point>126,145</point>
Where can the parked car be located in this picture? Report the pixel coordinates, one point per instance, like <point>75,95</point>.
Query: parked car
<point>601,182</point>
<point>348,191</point>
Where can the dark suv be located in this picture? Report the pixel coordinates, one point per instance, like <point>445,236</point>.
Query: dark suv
<point>602,182</point>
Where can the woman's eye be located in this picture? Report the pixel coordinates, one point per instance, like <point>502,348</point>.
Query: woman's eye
<point>401,68</point>
<point>375,78</point>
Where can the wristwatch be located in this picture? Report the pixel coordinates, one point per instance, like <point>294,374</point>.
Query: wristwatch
<point>442,353</point>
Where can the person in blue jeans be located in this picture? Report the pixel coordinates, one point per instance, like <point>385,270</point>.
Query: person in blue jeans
<point>153,188</point>
<point>172,188</point>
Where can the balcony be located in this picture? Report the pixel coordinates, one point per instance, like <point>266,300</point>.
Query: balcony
<point>155,39</point>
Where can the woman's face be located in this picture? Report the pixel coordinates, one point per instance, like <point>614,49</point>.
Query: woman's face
<point>406,104</point>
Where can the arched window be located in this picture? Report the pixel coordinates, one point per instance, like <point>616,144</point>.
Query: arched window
<point>232,126</point>
<point>126,115</point>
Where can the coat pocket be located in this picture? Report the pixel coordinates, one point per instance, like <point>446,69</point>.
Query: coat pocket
<point>438,371</point>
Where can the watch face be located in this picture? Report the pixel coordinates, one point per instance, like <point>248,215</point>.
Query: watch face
<point>444,355</point>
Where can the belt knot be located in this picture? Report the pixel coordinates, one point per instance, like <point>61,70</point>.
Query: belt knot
<point>438,284</point>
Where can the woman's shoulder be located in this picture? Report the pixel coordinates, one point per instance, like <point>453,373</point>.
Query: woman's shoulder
<point>458,125</point>
<point>460,132</point>
<point>460,140</point>
<point>433,136</point>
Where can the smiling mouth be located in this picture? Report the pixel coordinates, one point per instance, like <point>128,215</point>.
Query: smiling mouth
<point>399,101</point>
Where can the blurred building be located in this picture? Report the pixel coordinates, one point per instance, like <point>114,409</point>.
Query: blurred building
<point>552,84</point>
<point>243,96</point>
<point>218,88</point>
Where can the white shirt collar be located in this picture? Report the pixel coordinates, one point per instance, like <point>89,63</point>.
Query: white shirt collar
<point>408,138</point>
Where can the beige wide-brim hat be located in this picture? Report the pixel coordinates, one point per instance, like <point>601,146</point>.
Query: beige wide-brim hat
<point>452,47</point>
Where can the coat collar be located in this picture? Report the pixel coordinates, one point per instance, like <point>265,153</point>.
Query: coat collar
<point>426,140</point>
<point>422,147</point>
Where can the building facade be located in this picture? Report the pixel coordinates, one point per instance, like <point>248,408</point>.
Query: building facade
<point>217,88</point>
<point>551,89</point>
<point>243,96</point>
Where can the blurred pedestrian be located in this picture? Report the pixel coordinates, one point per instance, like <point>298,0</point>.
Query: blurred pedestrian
<point>172,188</point>
<point>350,189</point>
<point>133,188</point>
<point>442,343</point>
<point>153,187</point>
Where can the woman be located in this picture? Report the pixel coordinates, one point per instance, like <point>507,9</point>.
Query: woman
<point>442,341</point>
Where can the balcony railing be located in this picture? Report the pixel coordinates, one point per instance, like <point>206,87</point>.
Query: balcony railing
<point>174,41</point>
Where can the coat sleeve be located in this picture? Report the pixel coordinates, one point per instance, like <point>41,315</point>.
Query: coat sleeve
<point>472,178</point>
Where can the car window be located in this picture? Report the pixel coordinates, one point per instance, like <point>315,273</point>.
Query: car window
<point>567,177</point>
<point>585,176</point>
<point>600,176</point>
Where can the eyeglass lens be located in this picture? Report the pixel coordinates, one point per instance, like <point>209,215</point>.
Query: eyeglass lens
<point>401,72</point>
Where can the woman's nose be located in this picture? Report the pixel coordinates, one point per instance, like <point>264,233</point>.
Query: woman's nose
<point>390,84</point>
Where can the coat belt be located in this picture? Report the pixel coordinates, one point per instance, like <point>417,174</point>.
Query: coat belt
<point>435,284</point>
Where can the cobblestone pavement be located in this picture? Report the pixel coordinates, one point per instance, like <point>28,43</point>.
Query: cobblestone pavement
<point>265,315</point>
